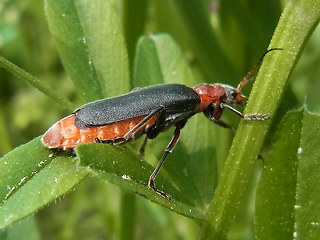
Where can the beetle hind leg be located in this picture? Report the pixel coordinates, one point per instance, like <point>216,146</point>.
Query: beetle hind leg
<point>151,184</point>
<point>169,149</point>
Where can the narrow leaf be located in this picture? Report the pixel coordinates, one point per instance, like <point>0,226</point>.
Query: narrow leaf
<point>134,23</point>
<point>160,60</point>
<point>307,208</point>
<point>32,176</point>
<point>23,230</point>
<point>213,61</point>
<point>276,193</point>
<point>288,193</point>
<point>31,80</point>
<point>172,61</point>
<point>91,29</point>
<point>147,69</point>
<point>123,168</point>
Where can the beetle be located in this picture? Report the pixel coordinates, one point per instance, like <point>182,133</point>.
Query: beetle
<point>149,110</point>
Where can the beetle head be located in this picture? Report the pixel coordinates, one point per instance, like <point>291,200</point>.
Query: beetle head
<point>233,96</point>
<point>215,94</point>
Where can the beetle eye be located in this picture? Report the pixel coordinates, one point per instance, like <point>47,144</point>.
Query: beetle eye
<point>234,94</point>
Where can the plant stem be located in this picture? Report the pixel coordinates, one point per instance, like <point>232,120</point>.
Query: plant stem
<point>295,26</point>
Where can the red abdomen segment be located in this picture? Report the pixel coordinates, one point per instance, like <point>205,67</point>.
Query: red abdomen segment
<point>64,133</point>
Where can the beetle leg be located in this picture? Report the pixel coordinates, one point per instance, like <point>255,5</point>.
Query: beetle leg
<point>214,113</point>
<point>114,141</point>
<point>143,146</point>
<point>223,105</point>
<point>130,135</point>
<point>170,147</point>
<point>254,116</point>
<point>223,124</point>
<point>132,132</point>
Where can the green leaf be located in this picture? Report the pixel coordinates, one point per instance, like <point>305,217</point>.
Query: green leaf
<point>160,60</point>
<point>134,23</point>
<point>92,30</point>
<point>125,169</point>
<point>291,34</point>
<point>288,193</point>
<point>23,230</point>
<point>277,188</point>
<point>307,206</point>
<point>234,12</point>
<point>172,61</point>
<point>32,176</point>
<point>212,59</point>
<point>147,70</point>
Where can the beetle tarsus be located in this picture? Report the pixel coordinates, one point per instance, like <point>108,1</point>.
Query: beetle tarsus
<point>114,141</point>
<point>151,184</point>
<point>120,140</point>
<point>232,109</point>
<point>256,116</point>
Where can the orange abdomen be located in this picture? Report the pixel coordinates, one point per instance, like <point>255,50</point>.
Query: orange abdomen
<point>65,134</point>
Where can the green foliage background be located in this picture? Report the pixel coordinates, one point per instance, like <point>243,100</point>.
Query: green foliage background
<point>79,51</point>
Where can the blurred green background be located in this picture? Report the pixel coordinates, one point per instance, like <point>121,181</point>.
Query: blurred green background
<point>242,29</point>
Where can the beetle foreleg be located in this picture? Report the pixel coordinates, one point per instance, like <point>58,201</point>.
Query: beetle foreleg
<point>214,113</point>
<point>170,147</point>
<point>254,116</point>
<point>223,124</point>
<point>223,105</point>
